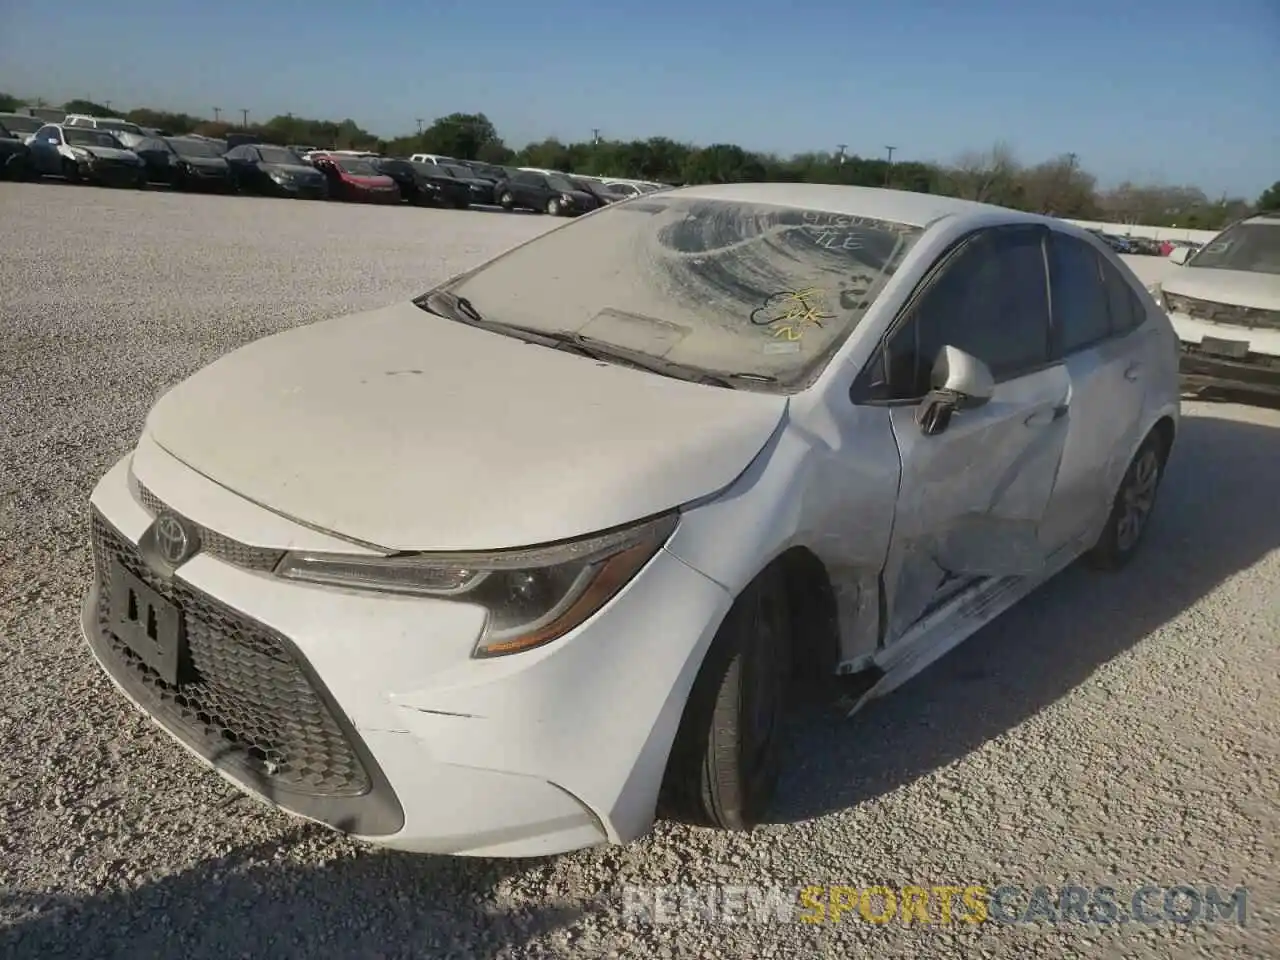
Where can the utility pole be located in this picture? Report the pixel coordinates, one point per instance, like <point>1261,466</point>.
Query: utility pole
<point>889,169</point>
<point>107,104</point>
<point>244,117</point>
<point>217,114</point>
<point>419,119</point>
<point>595,135</point>
<point>840,149</point>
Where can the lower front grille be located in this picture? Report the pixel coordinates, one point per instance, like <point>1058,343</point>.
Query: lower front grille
<point>248,703</point>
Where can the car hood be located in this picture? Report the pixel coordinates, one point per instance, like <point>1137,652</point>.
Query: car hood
<point>108,153</point>
<point>406,431</point>
<point>1236,287</point>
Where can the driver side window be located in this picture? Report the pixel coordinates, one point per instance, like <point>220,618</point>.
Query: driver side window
<point>991,300</point>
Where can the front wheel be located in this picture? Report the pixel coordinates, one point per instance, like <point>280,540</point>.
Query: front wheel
<point>723,767</point>
<point>553,207</point>
<point>507,201</point>
<point>1131,510</point>
<point>71,171</point>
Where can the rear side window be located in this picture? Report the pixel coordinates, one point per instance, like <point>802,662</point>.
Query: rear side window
<point>1081,316</point>
<point>1126,309</point>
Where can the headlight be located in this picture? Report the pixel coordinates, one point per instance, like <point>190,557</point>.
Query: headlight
<point>279,177</point>
<point>566,199</point>
<point>532,596</point>
<point>80,153</point>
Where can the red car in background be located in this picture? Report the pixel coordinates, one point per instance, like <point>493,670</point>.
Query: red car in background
<point>354,179</point>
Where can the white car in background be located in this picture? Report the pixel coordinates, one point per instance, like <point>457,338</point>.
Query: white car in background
<point>769,431</point>
<point>1224,303</point>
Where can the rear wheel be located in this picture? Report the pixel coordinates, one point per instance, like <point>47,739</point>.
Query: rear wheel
<point>506,200</point>
<point>1131,510</point>
<point>724,763</point>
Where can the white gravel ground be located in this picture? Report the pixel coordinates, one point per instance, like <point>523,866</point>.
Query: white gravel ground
<point>1113,730</point>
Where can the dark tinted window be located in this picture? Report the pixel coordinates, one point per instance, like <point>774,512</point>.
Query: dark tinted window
<point>1127,310</point>
<point>990,301</point>
<point>532,179</point>
<point>1080,312</point>
<point>49,133</point>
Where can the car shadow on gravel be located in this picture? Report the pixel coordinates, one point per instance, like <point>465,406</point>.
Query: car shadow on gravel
<point>1216,516</point>
<point>255,902</point>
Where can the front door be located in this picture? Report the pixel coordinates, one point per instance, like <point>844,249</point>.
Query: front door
<point>972,498</point>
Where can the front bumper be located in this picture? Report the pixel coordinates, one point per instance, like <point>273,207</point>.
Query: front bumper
<point>114,173</point>
<point>373,703</point>
<point>1238,359</point>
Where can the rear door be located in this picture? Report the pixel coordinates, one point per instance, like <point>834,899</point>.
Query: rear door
<point>1095,335</point>
<point>972,498</point>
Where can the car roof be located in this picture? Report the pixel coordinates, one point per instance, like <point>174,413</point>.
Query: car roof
<point>1269,217</point>
<point>881,203</point>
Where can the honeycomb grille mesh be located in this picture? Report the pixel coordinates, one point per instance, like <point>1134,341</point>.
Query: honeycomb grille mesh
<point>230,551</point>
<point>247,701</point>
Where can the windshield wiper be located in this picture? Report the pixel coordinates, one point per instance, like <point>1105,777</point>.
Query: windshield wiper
<point>460,308</point>
<point>608,352</point>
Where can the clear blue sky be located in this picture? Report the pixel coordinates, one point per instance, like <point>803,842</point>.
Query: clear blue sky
<point>1178,91</point>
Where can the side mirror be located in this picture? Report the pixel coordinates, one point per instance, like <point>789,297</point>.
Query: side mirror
<point>1180,254</point>
<point>960,381</point>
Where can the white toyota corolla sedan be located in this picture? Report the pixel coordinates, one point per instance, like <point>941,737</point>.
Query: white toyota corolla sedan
<point>495,571</point>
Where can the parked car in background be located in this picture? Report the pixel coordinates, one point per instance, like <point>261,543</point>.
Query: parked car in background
<point>111,124</point>
<point>447,190</point>
<point>15,155</point>
<point>275,171</point>
<point>544,193</point>
<point>198,165</point>
<point>413,185</point>
<point>762,433</point>
<point>624,188</point>
<point>486,171</point>
<point>597,189</point>
<point>431,158</point>
<point>85,153</point>
<point>1224,303</point>
<point>155,154</point>
<point>355,179</point>
<point>21,126</point>
<point>480,189</point>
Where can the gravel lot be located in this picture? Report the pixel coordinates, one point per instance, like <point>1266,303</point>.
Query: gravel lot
<point>1121,729</point>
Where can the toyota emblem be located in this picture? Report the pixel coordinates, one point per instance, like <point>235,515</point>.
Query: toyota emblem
<point>172,540</point>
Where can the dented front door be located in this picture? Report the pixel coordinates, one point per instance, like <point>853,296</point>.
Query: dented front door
<point>972,498</point>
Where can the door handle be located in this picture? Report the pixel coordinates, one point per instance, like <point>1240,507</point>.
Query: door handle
<point>1133,371</point>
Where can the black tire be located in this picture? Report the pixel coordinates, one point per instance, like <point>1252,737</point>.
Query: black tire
<point>462,204</point>
<point>506,201</point>
<point>553,207</point>
<point>18,167</point>
<point>71,171</point>
<point>1131,510</point>
<point>723,767</point>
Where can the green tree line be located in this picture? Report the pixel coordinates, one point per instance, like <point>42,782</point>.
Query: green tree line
<point>1059,186</point>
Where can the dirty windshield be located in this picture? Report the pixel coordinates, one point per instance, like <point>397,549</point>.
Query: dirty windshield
<point>725,287</point>
<point>1253,247</point>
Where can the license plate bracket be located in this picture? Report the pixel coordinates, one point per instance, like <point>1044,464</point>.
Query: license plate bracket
<point>1235,349</point>
<point>150,625</point>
